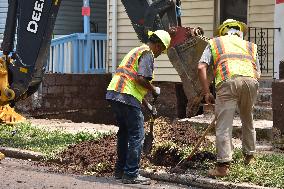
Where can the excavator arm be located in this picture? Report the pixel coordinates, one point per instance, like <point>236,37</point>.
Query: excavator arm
<point>146,15</point>
<point>31,23</point>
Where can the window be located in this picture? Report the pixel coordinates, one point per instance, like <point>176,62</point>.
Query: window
<point>234,9</point>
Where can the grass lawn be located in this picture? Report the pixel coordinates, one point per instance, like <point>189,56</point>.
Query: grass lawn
<point>28,137</point>
<point>268,170</point>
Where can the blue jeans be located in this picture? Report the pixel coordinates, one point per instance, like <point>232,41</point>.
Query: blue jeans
<point>130,138</point>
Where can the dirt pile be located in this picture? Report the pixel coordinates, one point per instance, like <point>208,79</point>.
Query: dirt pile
<point>181,133</point>
<point>98,157</point>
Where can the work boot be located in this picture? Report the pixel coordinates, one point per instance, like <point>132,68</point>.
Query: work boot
<point>248,159</point>
<point>118,175</point>
<point>136,180</point>
<point>220,170</point>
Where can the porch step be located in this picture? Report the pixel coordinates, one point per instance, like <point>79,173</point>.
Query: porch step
<point>265,82</point>
<point>263,106</point>
<point>263,127</point>
<point>263,112</point>
<point>264,95</point>
<point>260,145</point>
<point>259,112</point>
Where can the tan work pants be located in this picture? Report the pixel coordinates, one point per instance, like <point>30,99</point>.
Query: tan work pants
<point>239,91</point>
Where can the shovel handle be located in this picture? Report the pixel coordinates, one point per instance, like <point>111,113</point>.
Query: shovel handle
<point>201,139</point>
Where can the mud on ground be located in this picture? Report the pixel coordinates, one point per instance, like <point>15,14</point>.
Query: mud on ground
<point>98,157</point>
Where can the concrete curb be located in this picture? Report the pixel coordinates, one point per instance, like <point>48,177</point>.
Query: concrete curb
<point>197,181</point>
<point>185,179</point>
<point>21,154</point>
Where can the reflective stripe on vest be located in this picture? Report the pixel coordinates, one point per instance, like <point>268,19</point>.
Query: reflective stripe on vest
<point>232,56</point>
<point>124,75</point>
<point>124,79</point>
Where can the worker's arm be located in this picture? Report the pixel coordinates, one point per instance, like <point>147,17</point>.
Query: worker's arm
<point>205,60</point>
<point>145,72</point>
<point>144,82</point>
<point>202,74</point>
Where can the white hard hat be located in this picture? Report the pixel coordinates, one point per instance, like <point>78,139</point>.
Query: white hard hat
<point>231,23</point>
<point>163,35</point>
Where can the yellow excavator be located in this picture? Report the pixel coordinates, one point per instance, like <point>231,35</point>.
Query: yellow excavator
<point>22,61</point>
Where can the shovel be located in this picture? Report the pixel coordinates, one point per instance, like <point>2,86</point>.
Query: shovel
<point>149,137</point>
<point>201,139</point>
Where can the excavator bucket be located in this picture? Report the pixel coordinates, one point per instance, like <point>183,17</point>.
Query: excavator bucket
<point>145,15</point>
<point>2,156</point>
<point>184,54</point>
<point>9,116</point>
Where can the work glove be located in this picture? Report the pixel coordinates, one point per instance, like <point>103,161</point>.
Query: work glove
<point>156,92</point>
<point>152,109</point>
<point>209,98</point>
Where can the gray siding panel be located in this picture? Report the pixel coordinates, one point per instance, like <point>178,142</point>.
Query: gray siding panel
<point>70,19</point>
<point>3,14</point>
<point>99,14</point>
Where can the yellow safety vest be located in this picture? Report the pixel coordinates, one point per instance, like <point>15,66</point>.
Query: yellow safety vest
<point>233,56</point>
<point>123,80</point>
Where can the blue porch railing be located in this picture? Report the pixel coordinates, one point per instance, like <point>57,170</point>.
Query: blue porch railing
<point>78,53</point>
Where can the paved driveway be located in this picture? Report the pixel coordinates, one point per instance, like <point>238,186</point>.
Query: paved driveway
<point>21,174</point>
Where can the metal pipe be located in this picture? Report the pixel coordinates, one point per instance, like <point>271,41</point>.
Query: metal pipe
<point>86,4</point>
<point>114,36</point>
<point>87,44</point>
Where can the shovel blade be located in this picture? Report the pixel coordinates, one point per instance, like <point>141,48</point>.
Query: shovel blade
<point>148,143</point>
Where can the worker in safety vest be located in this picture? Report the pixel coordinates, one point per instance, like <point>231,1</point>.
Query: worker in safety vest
<point>130,83</point>
<point>236,69</point>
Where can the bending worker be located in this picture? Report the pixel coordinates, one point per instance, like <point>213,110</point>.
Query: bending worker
<point>130,83</point>
<point>236,70</point>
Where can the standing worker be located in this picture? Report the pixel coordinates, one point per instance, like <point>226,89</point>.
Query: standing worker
<point>130,83</point>
<point>236,70</point>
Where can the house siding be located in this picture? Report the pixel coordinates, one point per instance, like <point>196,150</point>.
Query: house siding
<point>194,13</point>
<point>3,15</point>
<point>70,19</point>
<point>261,13</point>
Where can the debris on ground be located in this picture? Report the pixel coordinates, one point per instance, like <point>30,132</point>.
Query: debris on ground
<point>98,157</point>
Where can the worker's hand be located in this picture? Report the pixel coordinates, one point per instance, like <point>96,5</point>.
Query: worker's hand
<point>152,109</point>
<point>209,98</point>
<point>148,106</point>
<point>156,92</point>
